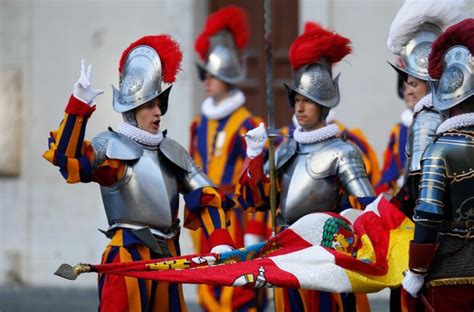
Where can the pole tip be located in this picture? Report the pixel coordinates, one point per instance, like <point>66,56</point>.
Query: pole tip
<point>72,272</point>
<point>66,271</point>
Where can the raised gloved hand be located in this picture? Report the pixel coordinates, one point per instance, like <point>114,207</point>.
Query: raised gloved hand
<point>413,282</point>
<point>82,88</point>
<point>255,140</point>
<point>252,239</point>
<point>221,248</point>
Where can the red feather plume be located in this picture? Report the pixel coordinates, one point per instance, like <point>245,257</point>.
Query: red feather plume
<point>231,18</point>
<point>168,50</point>
<point>316,43</point>
<point>308,26</point>
<point>458,34</point>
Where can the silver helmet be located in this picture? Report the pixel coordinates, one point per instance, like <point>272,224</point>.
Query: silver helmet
<point>315,82</point>
<point>414,55</point>
<point>223,60</point>
<point>456,84</point>
<point>140,81</point>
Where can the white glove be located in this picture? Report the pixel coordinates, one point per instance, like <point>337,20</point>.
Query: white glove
<point>252,239</point>
<point>221,248</point>
<point>255,140</point>
<point>82,88</point>
<point>413,282</point>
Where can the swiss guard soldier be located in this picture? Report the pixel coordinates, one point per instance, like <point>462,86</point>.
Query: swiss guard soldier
<point>217,143</point>
<point>442,249</point>
<point>315,166</point>
<point>412,33</point>
<point>141,173</point>
<point>415,27</point>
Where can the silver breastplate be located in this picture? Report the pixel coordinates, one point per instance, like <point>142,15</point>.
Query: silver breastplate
<point>311,181</point>
<point>147,194</point>
<point>305,188</point>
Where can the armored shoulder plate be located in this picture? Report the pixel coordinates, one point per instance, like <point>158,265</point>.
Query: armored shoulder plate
<point>175,153</point>
<point>194,178</point>
<point>282,154</point>
<point>351,170</point>
<point>113,145</point>
<point>455,150</point>
<point>422,133</point>
<point>285,152</point>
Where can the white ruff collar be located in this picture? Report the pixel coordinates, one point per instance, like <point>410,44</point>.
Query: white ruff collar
<point>223,108</point>
<point>406,117</point>
<point>139,135</point>
<point>459,121</point>
<point>426,101</point>
<point>318,135</point>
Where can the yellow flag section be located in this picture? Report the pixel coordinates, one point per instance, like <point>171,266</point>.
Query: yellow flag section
<point>391,247</point>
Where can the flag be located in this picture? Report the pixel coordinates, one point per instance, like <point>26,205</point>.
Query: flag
<point>321,251</point>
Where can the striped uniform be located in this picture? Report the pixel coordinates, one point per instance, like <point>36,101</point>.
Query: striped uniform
<point>73,155</point>
<point>394,160</point>
<point>217,146</point>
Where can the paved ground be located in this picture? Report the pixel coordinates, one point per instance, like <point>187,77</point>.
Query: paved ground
<point>22,299</point>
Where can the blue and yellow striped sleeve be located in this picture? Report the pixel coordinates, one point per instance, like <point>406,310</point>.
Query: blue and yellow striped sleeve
<point>253,189</point>
<point>72,154</point>
<point>207,207</point>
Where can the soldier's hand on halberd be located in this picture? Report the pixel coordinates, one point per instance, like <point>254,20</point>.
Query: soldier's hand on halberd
<point>82,88</point>
<point>255,140</point>
<point>413,282</point>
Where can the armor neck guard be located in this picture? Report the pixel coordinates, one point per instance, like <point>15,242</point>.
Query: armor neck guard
<point>303,149</point>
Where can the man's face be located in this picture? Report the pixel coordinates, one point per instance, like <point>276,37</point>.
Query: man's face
<point>148,116</point>
<point>215,88</point>
<point>308,113</point>
<point>415,89</point>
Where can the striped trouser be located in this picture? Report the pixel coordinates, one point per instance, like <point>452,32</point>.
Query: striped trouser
<point>119,293</point>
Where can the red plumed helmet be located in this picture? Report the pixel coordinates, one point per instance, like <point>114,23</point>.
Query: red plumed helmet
<point>317,43</point>
<point>168,50</point>
<point>231,18</point>
<point>461,33</point>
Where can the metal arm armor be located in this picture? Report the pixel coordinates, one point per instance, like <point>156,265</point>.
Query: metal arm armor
<point>351,171</point>
<point>430,204</point>
<point>421,134</point>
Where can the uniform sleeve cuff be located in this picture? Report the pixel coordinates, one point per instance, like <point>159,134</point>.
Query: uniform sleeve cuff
<point>255,168</point>
<point>78,107</point>
<point>220,237</point>
<point>421,256</point>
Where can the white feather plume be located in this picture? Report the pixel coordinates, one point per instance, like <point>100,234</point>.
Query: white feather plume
<point>415,13</point>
